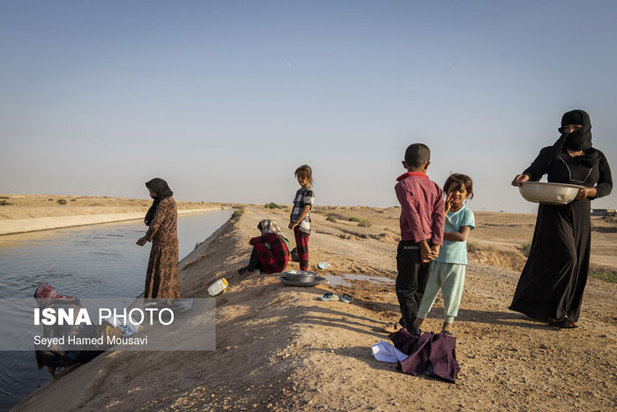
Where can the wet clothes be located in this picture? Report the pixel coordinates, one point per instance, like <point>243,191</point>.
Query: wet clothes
<point>554,277</point>
<point>431,354</point>
<point>162,279</point>
<point>270,253</point>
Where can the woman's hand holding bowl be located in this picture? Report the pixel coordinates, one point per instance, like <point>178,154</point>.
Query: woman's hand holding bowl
<point>520,179</point>
<point>584,192</point>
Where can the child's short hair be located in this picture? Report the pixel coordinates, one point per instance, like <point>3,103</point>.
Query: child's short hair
<point>304,172</point>
<point>459,180</point>
<point>417,155</point>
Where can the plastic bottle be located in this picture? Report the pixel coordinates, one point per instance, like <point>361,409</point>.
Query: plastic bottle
<point>217,287</point>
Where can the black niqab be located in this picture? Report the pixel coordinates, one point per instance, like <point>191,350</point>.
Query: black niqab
<point>580,139</point>
<point>574,117</point>
<point>162,191</point>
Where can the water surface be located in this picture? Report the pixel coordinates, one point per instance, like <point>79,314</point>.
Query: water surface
<point>86,262</point>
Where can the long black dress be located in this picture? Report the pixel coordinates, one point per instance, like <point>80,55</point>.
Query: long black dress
<point>554,277</point>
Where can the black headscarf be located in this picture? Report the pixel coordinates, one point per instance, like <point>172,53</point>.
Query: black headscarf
<point>162,191</point>
<point>580,139</point>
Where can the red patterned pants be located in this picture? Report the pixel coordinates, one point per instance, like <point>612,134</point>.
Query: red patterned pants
<point>302,247</point>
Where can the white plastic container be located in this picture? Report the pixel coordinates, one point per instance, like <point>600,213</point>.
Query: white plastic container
<point>217,287</point>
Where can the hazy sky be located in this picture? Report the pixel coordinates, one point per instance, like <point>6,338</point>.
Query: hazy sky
<point>224,99</point>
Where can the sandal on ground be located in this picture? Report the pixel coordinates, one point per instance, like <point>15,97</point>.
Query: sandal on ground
<point>392,327</point>
<point>329,296</point>
<point>564,323</point>
<point>346,298</point>
<point>242,271</point>
<point>447,333</point>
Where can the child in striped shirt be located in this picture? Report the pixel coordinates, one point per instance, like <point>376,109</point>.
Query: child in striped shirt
<point>300,219</point>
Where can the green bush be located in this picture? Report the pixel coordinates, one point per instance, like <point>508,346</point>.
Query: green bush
<point>61,201</point>
<point>525,248</point>
<point>353,219</point>
<point>237,213</point>
<point>604,274</point>
<point>5,203</point>
<point>365,223</point>
<point>331,218</point>
<point>272,205</point>
<point>72,200</point>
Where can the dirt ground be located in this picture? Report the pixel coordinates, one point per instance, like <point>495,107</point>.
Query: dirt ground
<point>24,206</point>
<point>278,348</point>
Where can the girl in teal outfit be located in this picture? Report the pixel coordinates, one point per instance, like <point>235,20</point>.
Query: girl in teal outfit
<point>448,269</point>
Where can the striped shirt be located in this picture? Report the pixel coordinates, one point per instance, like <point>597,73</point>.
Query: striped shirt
<point>304,197</point>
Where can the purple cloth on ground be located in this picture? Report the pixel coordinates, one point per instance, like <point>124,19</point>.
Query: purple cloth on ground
<point>436,351</point>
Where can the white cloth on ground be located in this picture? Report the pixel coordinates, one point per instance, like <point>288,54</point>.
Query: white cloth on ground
<point>386,352</point>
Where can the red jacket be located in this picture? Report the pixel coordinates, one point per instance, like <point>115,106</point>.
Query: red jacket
<point>273,252</point>
<point>422,208</point>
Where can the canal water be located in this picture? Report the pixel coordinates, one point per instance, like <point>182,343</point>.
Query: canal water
<point>86,262</point>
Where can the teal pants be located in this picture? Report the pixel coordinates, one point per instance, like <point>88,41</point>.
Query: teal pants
<point>450,278</point>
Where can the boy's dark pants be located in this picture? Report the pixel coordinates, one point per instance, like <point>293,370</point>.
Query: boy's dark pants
<point>410,282</point>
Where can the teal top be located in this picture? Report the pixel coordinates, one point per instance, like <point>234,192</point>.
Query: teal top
<point>456,252</point>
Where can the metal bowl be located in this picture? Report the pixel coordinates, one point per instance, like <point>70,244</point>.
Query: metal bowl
<point>299,276</point>
<point>549,193</point>
<point>315,281</point>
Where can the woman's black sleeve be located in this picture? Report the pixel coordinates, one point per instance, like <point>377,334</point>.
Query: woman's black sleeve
<point>605,182</point>
<point>540,166</point>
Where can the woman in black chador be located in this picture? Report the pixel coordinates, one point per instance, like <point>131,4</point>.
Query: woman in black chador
<point>553,280</point>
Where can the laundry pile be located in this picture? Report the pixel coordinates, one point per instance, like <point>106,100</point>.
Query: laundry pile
<point>432,354</point>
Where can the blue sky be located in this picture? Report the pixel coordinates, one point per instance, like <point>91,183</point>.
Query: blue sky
<point>225,99</point>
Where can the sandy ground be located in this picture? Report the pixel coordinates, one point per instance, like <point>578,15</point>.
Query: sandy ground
<point>279,348</point>
<point>29,213</point>
<point>24,206</point>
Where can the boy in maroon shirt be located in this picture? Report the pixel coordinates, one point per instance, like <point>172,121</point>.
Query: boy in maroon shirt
<point>422,223</point>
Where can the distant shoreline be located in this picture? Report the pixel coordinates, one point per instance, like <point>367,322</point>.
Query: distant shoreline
<point>35,224</point>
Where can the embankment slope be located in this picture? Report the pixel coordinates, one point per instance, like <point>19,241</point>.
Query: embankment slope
<point>279,348</point>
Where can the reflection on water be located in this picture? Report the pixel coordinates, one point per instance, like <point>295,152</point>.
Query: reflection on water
<point>90,261</point>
